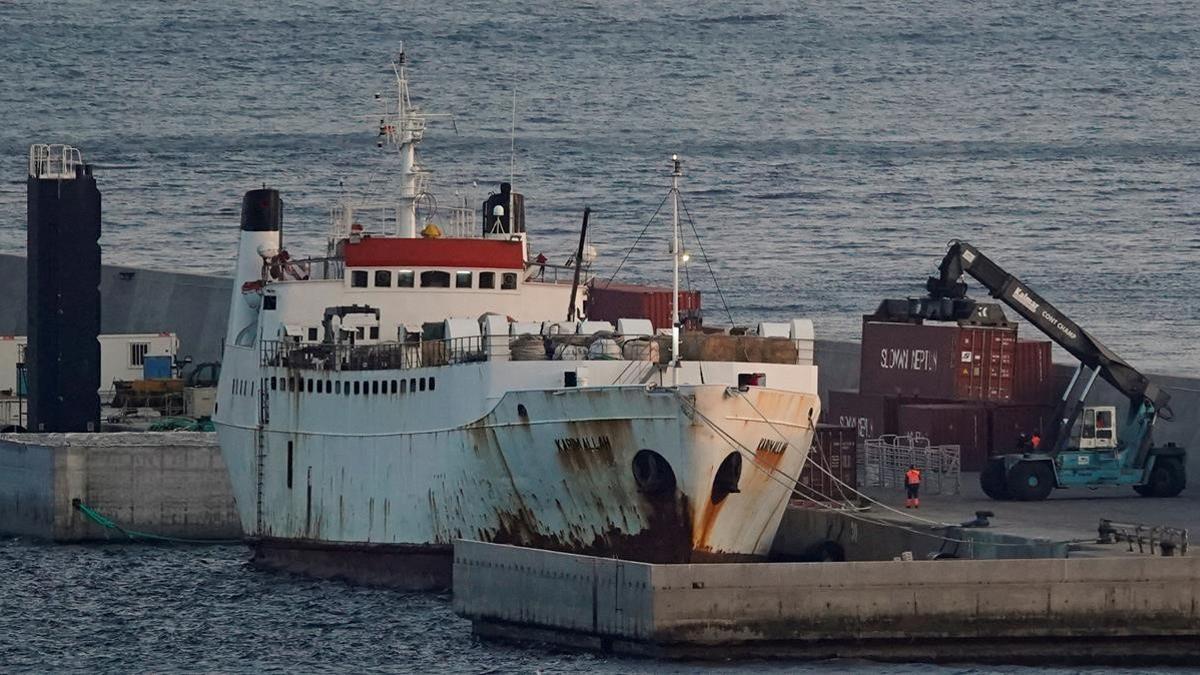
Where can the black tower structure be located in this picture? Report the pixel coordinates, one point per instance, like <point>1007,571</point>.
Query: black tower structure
<point>63,321</point>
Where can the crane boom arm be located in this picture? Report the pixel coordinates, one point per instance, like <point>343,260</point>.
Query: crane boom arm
<point>963,258</point>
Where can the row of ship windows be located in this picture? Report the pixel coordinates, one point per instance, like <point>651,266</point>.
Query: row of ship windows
<point>431,279</point>
<point>314,386</point>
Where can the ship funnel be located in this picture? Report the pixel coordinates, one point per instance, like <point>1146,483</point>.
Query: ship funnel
<point>504,212</point>
<point>262,220</point>
<point>262,211</point>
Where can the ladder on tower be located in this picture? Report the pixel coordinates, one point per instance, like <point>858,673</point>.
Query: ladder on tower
<point>260,449</point>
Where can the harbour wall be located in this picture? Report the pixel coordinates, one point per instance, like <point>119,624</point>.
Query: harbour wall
<point>172,484</point>
<point>1105,610</point>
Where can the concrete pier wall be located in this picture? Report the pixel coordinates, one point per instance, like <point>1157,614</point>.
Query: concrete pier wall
<point>956,609</point>
<point>804,532</point>
<point>170,483</point>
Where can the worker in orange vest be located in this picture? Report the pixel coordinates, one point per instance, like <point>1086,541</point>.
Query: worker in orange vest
<point>912,487</point>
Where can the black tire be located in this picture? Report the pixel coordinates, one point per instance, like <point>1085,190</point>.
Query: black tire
<point>1167,479</point>
<point>1030,481</point>
<point>993,481</point>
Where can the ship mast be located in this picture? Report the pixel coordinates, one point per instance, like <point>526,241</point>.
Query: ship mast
<point>405,131</point>
<point>676,172</point>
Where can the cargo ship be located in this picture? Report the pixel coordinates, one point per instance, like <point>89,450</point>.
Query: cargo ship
<point>424,381</point>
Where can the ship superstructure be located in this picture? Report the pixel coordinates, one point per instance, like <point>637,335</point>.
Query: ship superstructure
<point>419,384</point>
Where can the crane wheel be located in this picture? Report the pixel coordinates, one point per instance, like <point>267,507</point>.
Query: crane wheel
<point>1030,481</point>
<point>992,480</point>
<point>1167,479</point>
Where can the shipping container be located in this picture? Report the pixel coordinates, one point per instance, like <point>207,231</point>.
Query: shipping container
<point>1010,421</point>
<point>873,415</point>
<point>943,362</point>
<point>961,424</point>
<point>1033,375</point>
<point>834,449</point>
<point>610,302</point>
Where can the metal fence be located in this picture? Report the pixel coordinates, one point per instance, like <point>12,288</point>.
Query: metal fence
<point>884,460</point>
<point>382,356</point>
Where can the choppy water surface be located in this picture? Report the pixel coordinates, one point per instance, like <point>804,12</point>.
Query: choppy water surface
<point>136,608</point>
<point>831,148</point>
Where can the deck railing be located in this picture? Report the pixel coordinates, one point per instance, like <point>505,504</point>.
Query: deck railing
<point>381,356</point>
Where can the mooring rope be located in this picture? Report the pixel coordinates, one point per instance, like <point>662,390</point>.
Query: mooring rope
<point>134,535</point>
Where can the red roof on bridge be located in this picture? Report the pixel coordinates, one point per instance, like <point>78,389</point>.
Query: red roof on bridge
<point>450,253</point>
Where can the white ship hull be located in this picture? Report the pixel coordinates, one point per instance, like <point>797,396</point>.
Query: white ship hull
<point>559,476</point>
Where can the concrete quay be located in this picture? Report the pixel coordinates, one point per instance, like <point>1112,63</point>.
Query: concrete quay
<point>169,484</point>
<point>1065,525</point>
<point>1136,611</point>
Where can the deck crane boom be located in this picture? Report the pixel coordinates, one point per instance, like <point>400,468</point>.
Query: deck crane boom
<point>1095,454</point>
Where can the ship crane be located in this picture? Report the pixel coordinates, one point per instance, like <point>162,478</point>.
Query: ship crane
<point>1097,453</point>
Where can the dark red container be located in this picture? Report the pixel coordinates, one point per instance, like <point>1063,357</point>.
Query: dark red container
<point>872,415</point>
<point>1010,421</point>
<point>834,448</point>
<point>629,301</point>
<point>946,362</point>
<point>961,424</point>
<point>1033,375</point>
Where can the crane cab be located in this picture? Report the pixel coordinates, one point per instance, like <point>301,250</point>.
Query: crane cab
<point>1096,429</point>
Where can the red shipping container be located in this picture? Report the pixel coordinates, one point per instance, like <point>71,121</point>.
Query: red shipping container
<point>835,449</point>
<point>871,414</point>
<point>947,362</point>
<point>609,302</point>
<point>1033,375</point>
<point>1010,421</point>
<point>964,425</point>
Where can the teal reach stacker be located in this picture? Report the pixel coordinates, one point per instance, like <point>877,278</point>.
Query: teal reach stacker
<point>1088,447</point>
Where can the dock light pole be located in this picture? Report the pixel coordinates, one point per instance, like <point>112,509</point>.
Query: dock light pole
<point>676,172</point>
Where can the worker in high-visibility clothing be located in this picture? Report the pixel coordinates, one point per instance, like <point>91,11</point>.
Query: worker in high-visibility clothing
<point>912,487</point>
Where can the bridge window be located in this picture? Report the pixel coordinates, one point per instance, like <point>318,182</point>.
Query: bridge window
<point>375,387</point>
<point>403,386</point>
<point>383,278</point>
<point>432,383</point>
<point>310,385</point>
<point>374,332</point>
<point>358,279</point>
<point>462,279</point>
<point>412,385</point>
<point>312,334</point>
<point>508,281</point>
<point>435,279</point>
<point>273,383</point>
<point>356,387</point>
<point>404,278</point>
<point>487,279</point>
<point>394,386</point>
<point>422,381</point>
